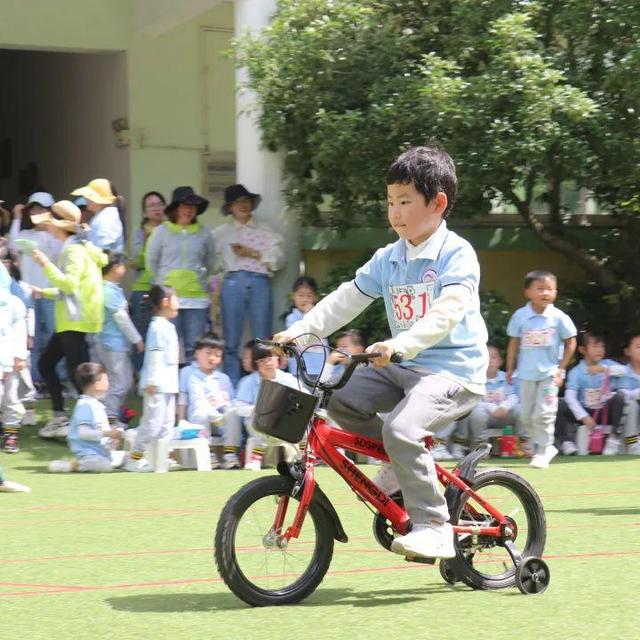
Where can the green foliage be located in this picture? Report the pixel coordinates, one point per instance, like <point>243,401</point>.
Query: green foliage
<point>514,89</point>
<point>373,325</point>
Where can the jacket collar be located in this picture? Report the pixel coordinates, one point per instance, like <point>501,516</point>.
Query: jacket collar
<point>430,247</point>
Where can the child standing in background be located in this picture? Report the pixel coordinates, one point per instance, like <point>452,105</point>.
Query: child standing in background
<point>543,340</point>
<point>158,377</point>
<point>89,425</point>
<point>113,343</point>
<point>304,296</point>
<point>13,355</point>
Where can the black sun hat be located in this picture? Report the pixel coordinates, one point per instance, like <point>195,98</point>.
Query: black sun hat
<point>235,192</point>
<point>186,195</point>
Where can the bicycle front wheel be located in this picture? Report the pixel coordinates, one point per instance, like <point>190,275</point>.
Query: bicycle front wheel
<point>254,561</point>
<point>483,562</point>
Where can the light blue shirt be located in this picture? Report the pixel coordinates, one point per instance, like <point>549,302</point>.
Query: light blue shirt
<point>498,390</point>
<point>409,289</point>
<point>314,357</point>
<point>161,337</point>
<point>203,391</point>
<point>105,230</point>
<point>111,335</point>
<point>90,414</point>
<point>589,387</point>
<point>249,385</point>
<point>630,380</point>
<point>542,337</point>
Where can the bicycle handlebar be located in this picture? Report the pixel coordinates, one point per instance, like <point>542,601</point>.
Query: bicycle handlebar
<point>356,359</point>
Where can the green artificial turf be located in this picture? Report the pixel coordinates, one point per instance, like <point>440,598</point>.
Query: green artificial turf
<point>130,556</point>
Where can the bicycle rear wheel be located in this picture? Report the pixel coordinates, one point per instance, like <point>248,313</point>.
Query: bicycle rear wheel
<point>483,562</point>
<point>252,560</point>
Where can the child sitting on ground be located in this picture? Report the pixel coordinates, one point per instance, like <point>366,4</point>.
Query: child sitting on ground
<point>206,399</point>
<point>349,341</point>
<point>586,395</point>
<point>158,378</point>
<point>89,428</point>
<point>630,386</point>
<point>265,364</point>
<point>113,343</point>
<point>542,338</point>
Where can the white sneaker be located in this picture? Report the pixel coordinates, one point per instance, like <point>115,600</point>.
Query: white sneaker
<point>458,451</point>
<point>612,446</point>
<point>231,461</point>
<point>542,460</point>
<point>568,448</point>
<point>29,418</point>
<point>426,541</point>
<point>253,465</point>
<point>634,448</point>
<point>386,479</point>
<point>137,466</point>
<point>60,466</point>
<point>56,428</point>
<point>215,462</point>
<point>440,452</point>
<point>13,487</point>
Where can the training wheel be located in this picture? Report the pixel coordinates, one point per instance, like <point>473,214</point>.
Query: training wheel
<point>447,573</point>
<point>532,575</point>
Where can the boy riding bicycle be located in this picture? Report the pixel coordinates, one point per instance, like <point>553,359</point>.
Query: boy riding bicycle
<point>429,280</point>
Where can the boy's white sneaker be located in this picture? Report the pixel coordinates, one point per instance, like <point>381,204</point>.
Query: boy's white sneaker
<point>13,487</point>
<point>458,451</point>
<point>29,418</point>
<point>56,428</point>
<point>137,466</point>
<point>440,452</point>
<point>568,448</point>
<point>542,460</point>
<point>426,541</point>
<point>60,466</point>
<point>611,446</point>
<point>386,479</point>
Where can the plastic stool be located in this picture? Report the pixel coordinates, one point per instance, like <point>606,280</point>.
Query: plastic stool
<point>196,447</point>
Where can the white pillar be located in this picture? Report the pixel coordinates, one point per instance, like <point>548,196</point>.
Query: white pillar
<point>260,170</point>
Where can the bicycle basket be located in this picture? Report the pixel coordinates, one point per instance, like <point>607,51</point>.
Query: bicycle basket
<point>282,412</point>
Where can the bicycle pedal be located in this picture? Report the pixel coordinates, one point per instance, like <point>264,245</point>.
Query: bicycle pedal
<point>420,560</point>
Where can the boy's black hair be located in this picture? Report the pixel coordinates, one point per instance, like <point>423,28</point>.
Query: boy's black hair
<point>585,336</point>
<point>258,352</point>
<point>87,373</point>
<point>209,341</point>
<point>158,292</point>
<point>305,281</point>
<point>354,335</point>
<point>114,258</point>
<point>538,274</point>
<point>431,171</point>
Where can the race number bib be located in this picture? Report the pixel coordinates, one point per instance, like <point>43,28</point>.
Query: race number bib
<point>533,338</point>
<point>495,396</point>
<point>218,398</point>
<point>410,302</point>
<point>592,398</point>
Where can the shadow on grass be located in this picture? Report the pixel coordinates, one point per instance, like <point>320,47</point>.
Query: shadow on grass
<point>600,511</point>
<point>184,602</point>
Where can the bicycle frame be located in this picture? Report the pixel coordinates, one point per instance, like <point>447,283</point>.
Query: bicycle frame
<point>323,443</point>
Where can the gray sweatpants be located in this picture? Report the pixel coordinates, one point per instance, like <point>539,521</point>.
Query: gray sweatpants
<point>538,410</point>
<point>94,464</point>
<point>157,421</point>
<point>418,405</point>
<point>120,372</point>
<point>481,421</point>
<point>11,408</point>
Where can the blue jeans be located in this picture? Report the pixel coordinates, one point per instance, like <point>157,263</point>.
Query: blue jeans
<point>45,325</point>
<point>244,292</point>
<point>141,314</point>
<point>190,325</point>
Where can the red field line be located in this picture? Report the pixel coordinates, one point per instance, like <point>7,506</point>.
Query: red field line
<point>165,583</point>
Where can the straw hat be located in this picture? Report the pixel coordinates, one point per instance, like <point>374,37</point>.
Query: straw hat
<point>98,191</point>
<point>64,215</point>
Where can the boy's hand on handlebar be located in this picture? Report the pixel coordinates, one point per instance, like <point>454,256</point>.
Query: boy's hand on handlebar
<point>386,352</point>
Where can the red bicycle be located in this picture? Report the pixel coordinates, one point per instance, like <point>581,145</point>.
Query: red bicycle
<point>275,536</point>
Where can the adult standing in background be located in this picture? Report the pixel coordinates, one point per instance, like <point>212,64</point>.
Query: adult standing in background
<point>153,206</point>
<point>249,253</point>
<point>180,254</point>
<point>105,226</point>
